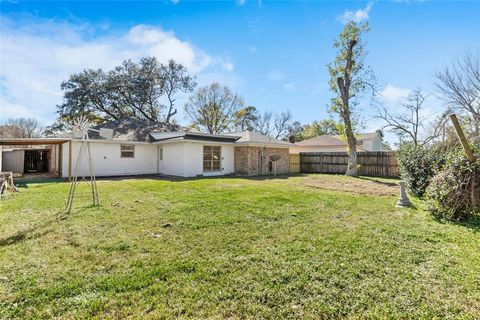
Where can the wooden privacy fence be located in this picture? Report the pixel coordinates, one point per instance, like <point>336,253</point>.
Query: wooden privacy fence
<point>294,163</point>
<point>371,163</point>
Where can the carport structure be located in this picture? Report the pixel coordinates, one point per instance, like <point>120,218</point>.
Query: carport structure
<point>34,156</point>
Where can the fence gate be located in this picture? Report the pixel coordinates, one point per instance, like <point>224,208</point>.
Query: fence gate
<point>294,163</point>
<point>371,163</point>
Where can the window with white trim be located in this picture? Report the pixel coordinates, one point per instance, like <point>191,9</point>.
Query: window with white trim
<point>212,158</point>
<point>127,151</point>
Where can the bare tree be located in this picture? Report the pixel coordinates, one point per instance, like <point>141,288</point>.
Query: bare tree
<point>264,123</point>
<point>275,125</point>
<point>282,124</point>
<point>20,128</point>
<point>176,79</point>
<point>213,108</point>
<point>459,85</point>
<point>410,123</point>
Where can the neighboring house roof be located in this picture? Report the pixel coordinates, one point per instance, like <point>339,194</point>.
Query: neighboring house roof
<point>362,136</point>
<point>256,138</point>
<point>323,140</point>
<point>335,141</point>
<point>187,135</point>
<point>133,129</point>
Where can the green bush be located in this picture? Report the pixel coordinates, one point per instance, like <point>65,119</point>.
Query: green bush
<point>455,190</point>
<point>417,165</point>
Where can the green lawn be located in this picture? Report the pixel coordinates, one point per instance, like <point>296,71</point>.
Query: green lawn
<point>232,248</point>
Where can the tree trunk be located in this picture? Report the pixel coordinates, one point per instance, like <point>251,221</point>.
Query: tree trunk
<point>351,141</point>
<point>352,150</point>
<point>344,88</point>
<point>352,162</point>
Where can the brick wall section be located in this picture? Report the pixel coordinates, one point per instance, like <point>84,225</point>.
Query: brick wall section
<point>249,162</point>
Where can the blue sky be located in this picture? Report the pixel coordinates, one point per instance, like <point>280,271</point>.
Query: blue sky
<point>272,53</point>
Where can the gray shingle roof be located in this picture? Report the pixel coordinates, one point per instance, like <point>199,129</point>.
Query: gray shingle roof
<point>162,136</point>
<point>133,129</point>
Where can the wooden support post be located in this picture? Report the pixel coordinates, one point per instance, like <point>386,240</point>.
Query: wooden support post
<point>468,152</point>
<point>70,160</point>
<point>461,137</point>
<point>59,148</point>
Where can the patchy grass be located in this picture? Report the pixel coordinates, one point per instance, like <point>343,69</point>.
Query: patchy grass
<point>232,248</point>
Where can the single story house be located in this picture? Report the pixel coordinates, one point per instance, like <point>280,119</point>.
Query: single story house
<point>326,143</point>
<point>141,147</point>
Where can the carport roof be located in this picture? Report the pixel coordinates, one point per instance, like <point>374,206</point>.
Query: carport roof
<point>32,141</point>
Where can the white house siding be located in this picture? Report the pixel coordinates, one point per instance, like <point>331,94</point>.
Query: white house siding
<point>185,158</point>
<point>180,158</point>
<point>173,159</point>
<point>108,162</point>
<point>13,161</point>
<point>377,144</point>
<point>194,159</point>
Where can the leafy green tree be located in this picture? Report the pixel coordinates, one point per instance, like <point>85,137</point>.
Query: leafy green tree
<point>129,90</point>
<point>349,78</point>
<point>318,128</point>
<point>295,131</point>
<point>246,118</point>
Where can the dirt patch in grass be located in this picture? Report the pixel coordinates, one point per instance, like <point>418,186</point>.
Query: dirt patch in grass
<point>361,185</point>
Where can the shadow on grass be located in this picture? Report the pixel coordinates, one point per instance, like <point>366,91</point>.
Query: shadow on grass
<point>180,179</point>
<point>376,180</point>
<point>24,183</point>
<point>283,176</point>
<point>24,235</point>
<point>472,223</point>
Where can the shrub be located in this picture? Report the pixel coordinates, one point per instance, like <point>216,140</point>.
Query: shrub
<point>452,189</point>
<point>417,165</point>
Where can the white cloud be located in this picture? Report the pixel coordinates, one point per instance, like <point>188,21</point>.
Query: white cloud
<point>241,2</point>
<point>356,16</point>
<point>253,49</point>
<point>394,94</point>
<point>10,110</point>
<point>226,64</point>
<point>36,55</point>
<point>289,87</point>
<point>276,75</point>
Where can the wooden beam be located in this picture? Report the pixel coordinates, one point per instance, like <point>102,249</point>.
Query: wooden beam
<point>461,137</point>
<point>468,152</point>
<point>70,160</point>
<point>60,159</point>
<point>31,141</point>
